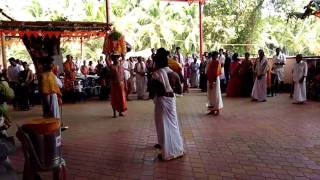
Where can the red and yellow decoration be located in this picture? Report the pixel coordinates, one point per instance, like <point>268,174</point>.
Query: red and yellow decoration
<point>114,43</point>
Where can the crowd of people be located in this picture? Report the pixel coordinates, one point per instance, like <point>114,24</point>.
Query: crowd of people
<point>164,76</point>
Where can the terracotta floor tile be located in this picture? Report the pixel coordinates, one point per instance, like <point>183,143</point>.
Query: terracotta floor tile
<point>248,140</point>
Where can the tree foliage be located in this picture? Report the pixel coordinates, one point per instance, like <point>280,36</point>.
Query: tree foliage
<point>238,25</point>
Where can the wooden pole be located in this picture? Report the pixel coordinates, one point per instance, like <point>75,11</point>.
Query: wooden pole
<point>201,30</point>
<point>81,50</point>
<point>3,52</point>
<point>108,12</point>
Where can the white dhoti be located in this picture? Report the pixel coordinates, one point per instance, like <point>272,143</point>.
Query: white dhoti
<point>194,80</point>
<point>259,90</point>
<point>50,106</point>
<point>167,126</point>
<point>300,93</point>
<point>280,74</point>
<point>141,85</point>
<point>133,86</point>
<point>214,96</point>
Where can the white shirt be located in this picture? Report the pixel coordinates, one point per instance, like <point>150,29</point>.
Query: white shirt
<point>180,58</point>
<point>262,66</point>
<point>299,70</point>
<point>127,68</point>
<point>281,58</point>
<point>140,67</point>
<point>13,73</point>
<point>222,60</point>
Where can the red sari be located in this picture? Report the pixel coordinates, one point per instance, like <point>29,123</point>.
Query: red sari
<point>118,92</point>
<point>234,85</point>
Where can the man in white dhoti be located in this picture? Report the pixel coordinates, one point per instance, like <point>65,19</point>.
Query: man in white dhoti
<point>194,79</point>
<point>127,68</point>
<point>222,60</point>
<point>213,72</point>
<point>279,61</point>
<point>164,84</point>
<point>300,72</point>
<point>259,90</point>
<point>140,70</point>
<point>132,80</point>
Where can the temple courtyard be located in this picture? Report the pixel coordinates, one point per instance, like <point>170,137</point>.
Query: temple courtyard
<point>249,140</point>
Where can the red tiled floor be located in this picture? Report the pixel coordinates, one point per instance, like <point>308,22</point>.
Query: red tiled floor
<point>271,140</point>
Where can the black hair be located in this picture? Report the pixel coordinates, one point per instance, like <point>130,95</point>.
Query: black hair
<point>299,56</point>
<point>235,57</point>
<point>11,59</point>
<point>46,63</point>
<point>161,58</point>
<point>214,53</point>
<point>246,54</point>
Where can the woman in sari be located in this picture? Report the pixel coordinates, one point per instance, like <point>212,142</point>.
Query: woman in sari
<point>165,83</point>
<point>215,103</point>
<point>234,85</point>
<point>246,75</point>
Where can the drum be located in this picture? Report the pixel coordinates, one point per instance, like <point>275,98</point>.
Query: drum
<point>45,136</point>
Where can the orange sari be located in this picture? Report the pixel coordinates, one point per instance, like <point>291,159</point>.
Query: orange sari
<point>118,92</point>
<point>70,75</point>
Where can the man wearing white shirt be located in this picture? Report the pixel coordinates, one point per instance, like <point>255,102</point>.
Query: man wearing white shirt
<point>299,72</point>
<point>13,77</point>
<point>127,73</point>
<point>140,70</point>
<point>222,59</point>
<point>179,56</point>
<point>279,61</point>
<point>13,71</point>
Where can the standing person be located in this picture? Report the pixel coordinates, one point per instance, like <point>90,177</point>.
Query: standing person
<point>70,77</point>
<point>99,67</point>
<point>13,77</point>
<point>203,74</point>
<point>259,90</point>
<point>150,69</point>
<point>222,59</point>
<point>50,85</point>
<point>246,76</point>
<point>215,103</point>
<point>26,80</point>
<point>300,72</point>
<point>234,85</point>
<point>179,56</point>
<point>227,67</point>
<point>186,76</point>
<point>104,81</point>
<point>140,70</point>
<point>194,79</point>
<point>164,84</point>
<point>133,86</point>
<point>91,68</point>
<point>118,93</point>
<point>279,61</point>
<point>84,69</point>
<point>127,68</point>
